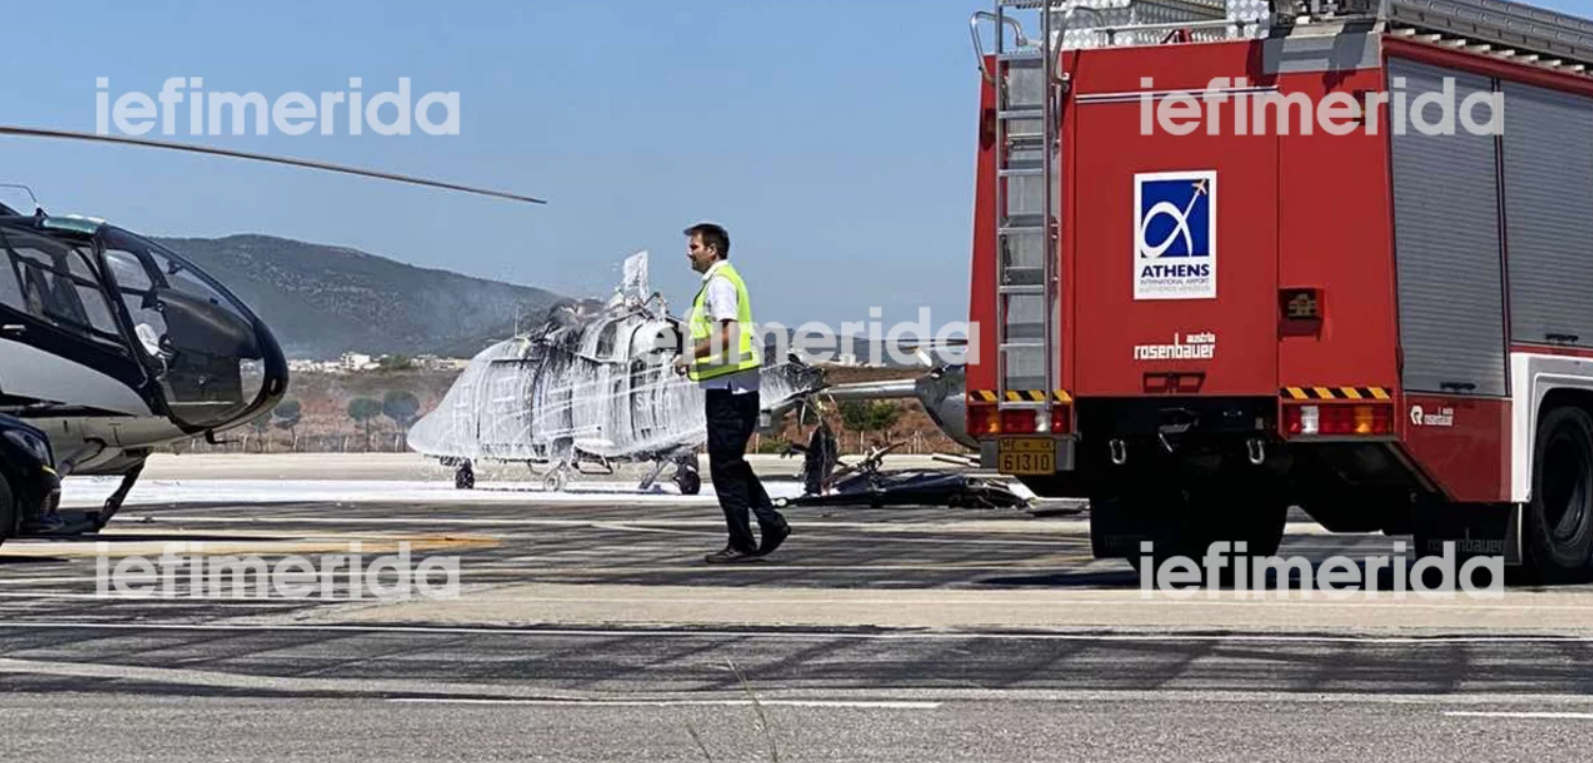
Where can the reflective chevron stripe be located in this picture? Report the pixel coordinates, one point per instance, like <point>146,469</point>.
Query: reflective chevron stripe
<point>1335,393</point>
<point>1019,396</point>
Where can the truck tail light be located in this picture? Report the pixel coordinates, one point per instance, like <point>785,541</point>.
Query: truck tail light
<point>987,421</point>
<point>1302,419</point>
<point>1019,422</point>
<point>983,421</point>
<point>1374,419</point>
<point>1338,419</point>
<point>1061,419</point>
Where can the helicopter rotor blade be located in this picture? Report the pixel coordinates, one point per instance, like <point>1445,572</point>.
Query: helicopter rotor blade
<point>38,132</point>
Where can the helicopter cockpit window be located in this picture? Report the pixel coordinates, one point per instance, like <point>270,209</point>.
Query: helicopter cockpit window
<point>605,340</point>
<point>10,289</point>
<point>137,293</point>
<point>56,284</point>
<point>204,342</point>
<point>169,271</point>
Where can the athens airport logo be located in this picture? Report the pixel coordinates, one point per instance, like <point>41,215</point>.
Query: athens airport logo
<point>1236,107</point>
<point>185,571</point>
<point>184,107</point>
<point>1337,577</point>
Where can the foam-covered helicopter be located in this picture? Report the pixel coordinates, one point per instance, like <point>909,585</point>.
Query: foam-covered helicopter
<point>594,386</point>
<point>112,345</point>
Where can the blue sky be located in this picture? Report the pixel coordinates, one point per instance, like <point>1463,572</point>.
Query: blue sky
<point>835,139</point>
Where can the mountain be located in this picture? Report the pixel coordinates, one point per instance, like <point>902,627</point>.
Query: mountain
<point>321,301</point>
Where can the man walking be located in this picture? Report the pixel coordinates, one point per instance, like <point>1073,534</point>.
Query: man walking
<point>722,358</point>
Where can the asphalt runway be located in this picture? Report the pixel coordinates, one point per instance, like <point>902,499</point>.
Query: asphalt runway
<point>587,628</point>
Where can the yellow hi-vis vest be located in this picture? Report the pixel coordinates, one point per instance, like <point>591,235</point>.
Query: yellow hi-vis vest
<point>717,364</point>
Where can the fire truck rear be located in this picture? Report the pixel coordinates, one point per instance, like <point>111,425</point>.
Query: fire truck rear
<point>1231,258</point>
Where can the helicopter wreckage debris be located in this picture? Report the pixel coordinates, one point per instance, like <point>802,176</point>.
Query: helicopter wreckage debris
<point>828,482</point>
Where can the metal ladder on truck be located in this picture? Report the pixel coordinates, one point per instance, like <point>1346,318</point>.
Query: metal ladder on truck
<point>1028,145</point>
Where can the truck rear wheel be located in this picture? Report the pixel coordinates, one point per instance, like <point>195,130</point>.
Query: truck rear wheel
<point>1558,523</point>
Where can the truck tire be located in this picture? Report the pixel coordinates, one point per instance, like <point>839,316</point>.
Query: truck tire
<point>1557,527</point>
<point>8,510</point>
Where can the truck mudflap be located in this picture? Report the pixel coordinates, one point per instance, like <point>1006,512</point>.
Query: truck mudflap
<point>1474,529</point>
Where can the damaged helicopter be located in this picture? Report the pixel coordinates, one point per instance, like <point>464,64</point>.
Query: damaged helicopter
<point>593,386</point>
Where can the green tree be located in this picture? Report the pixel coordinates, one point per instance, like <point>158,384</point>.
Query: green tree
<point>363,410</point>
<point>854,415</point>
<point>262,428</point>
<point>400,406</point>
<point>869,416</point>
<point>286,416</point>
<point>885,415</point>
<point>395,362</point>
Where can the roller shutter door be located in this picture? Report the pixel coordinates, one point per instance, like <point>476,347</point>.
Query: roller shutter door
<point>1446,237</point>
<point>1548,181</point>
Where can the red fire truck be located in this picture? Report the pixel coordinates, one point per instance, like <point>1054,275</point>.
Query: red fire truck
<point>1228,259</point>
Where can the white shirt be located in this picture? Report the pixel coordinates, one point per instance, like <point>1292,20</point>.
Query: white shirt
<point>722,304</point>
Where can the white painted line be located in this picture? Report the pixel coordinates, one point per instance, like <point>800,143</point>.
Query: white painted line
<point>866,697</point>
<point>693,565</point>
<point>237,601</point>
<point>801,635</point>
<point>853,704</point>
<point>1542,716</point>
<point>670,526</point>
<point>88,492</point>
<point>1359,601</point>
<point>220,679</point>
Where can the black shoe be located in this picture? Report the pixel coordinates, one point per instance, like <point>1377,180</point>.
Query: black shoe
<point>730,555</point>
<point>773,538</point>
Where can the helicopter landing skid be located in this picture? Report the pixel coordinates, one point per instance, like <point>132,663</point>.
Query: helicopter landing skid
<point>113,504</point>
<point>685,476</point>
<point>557,477</point>
<point>71,523</point>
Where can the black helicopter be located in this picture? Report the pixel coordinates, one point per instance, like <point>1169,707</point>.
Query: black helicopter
<point>112,345</point>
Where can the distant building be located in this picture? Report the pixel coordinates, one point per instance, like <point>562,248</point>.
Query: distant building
<point>356,361</point>
<point>306,366</point>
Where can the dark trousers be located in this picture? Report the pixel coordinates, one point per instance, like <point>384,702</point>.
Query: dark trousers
<point>731,419</point>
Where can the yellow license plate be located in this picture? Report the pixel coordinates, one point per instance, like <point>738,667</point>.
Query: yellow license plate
<point>1026,455</point>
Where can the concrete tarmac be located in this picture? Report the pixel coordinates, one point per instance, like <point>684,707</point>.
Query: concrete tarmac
<point>411,466</point>
<point>591,630</point>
